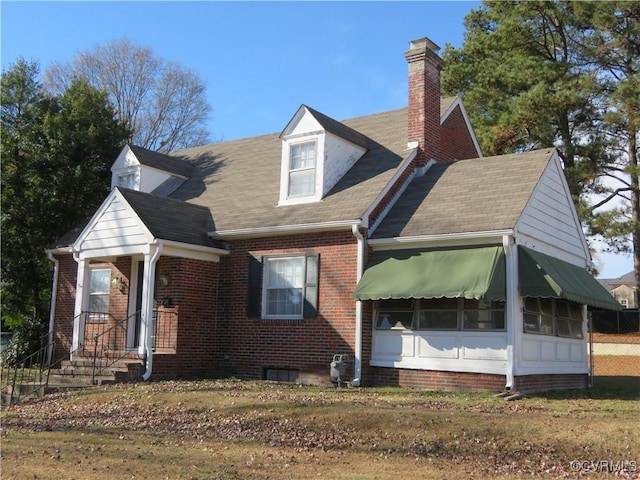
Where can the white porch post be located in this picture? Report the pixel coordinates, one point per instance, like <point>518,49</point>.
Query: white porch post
<point>146,314</point>
<point>82,280</point>
<point>513,313</point>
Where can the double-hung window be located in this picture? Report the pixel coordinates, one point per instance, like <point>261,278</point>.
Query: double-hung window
<point>99,287</point>
<point>283,287</point>
<point>302,169</point>
<point>284,284</point>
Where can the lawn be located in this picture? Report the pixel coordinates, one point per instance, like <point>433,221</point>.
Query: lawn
<point>256,430</point>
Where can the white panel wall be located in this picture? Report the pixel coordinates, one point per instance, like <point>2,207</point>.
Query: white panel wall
<point>544,354</point>
<point>478,352</point>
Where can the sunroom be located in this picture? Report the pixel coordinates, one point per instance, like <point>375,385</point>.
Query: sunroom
<point>496,309</point>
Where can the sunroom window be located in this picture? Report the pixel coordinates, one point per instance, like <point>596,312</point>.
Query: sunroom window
<point>548,316</point>
<point>395,314</point>
<point>302,169</point>
<point>440,314</point>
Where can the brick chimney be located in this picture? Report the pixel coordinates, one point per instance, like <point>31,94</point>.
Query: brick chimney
<point>424,99</point>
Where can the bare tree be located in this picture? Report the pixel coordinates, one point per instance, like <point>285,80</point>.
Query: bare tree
<point>163,103</point>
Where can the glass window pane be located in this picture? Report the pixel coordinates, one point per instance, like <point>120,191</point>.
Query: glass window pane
<point>438,319</point>
<point>99,303</point>
<point>546,305</point>
<point>563,327</point>
<point>497,319</point>
<point>531,324</point>
<point>302,183</point>
<point>395,319</point>
<point>576,328</point>
<point>562,309</point>
<point>99,282</point>
<point>575,311</point>
<point>439,304</point>
<point>531,304</point>
<point>546,324</point>
<point>303,156</point>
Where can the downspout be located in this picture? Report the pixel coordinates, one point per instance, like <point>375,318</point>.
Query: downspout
<point>511,293</point>
<point>357,364</point>
<point>52,306</point>
<point>148,348</point>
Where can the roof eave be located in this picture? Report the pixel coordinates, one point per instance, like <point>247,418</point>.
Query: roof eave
<point>280,230</point>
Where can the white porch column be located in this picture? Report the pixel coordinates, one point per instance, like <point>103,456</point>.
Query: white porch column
<point>146,314</point>
<point>82,280</point>
<point>512,310</point>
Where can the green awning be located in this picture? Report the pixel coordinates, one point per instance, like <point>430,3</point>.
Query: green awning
<point>477,272</point>
<point>545,276</point>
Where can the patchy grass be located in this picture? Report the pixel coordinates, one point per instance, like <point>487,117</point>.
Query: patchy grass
<point>256,430</point>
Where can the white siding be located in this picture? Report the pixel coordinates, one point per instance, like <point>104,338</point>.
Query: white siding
<point>150,178</point>
<point>549,222</point>
<point>116,225</point>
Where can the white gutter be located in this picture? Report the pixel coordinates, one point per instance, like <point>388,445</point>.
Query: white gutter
<point>453,238</point>
<point>511,278</point>
<point>283,229</point>
<point>147,341</point>
<point>52,306</point>
<point>357,364</point>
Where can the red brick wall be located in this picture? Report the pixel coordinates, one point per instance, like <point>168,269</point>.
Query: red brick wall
<point>542,383</point>
<point>65,303</point>
<point>192,293</point>
<point>247,346</point>
<point>457,143</point>
<point>436,380</point>
<point>472,382</point>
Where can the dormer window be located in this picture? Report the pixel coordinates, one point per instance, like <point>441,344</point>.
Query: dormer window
<point>302,170</point>
<point>127,180</point>
<point>316,152</point>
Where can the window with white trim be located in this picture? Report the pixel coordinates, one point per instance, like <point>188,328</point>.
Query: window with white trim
<point>624,302</point>
<point>99,289</point>
<point>440,314</point>
<point>549,316</point>
<point>283,286</point>
<point>302,170</point>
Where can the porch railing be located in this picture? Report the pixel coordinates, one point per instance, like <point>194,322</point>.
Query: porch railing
<point>29,376</point>
<point>165,330</point>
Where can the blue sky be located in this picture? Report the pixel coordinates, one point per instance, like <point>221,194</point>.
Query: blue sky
<point>260,60</point>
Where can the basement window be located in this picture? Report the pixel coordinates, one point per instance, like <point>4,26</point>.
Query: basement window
<point>281,375</point>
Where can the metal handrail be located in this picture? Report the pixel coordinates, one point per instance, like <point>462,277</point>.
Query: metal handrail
<point>24,372</point>
<point>104,339</point>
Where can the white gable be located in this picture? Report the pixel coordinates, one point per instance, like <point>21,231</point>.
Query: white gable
<point>114,227</point>
<point>334,156</point>
<point>550,222</point>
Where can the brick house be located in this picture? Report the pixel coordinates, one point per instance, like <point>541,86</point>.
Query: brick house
<point>387,238</point>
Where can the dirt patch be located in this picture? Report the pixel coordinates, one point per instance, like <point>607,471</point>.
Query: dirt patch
<point>633,337</point>
<point>610,365</point>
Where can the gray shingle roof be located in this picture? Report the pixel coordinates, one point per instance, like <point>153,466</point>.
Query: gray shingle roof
<point>240,179</point>
<point>166,163</point>
<point>169,219</point>
<point>467,196</point>
<point>339,128</point>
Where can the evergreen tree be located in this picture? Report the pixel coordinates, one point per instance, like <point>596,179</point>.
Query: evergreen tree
<point>536,74</point>
<point>56,153</point>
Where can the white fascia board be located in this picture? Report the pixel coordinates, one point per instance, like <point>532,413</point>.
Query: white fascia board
<point>403,166</point>
<point>441,240</point>
<point>285,229</point>
<point>458,103</point>
<point>199,252</point>
<point>113,252</point>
